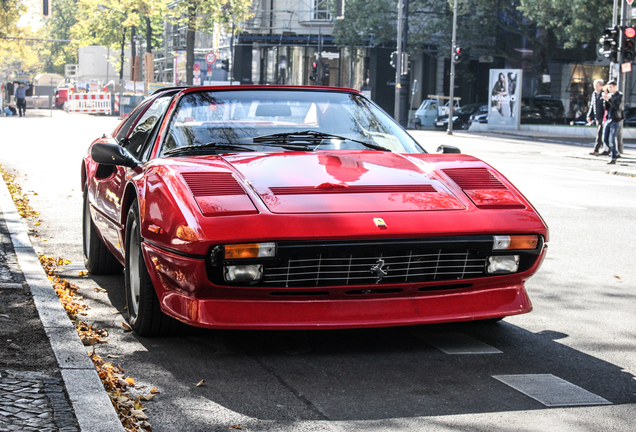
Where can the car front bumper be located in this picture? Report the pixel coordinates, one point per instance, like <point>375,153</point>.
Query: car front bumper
<point>186,293</point>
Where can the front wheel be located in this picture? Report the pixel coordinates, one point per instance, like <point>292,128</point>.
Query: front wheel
<point>98,260</point>
<point>144,313</point>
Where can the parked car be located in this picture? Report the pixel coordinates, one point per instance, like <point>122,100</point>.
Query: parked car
<point>277,207</point>
<point>461,116</point>
<point>534,110</point>
<point>426,114</point>
<point>542,110</point>
<point>630,117</point>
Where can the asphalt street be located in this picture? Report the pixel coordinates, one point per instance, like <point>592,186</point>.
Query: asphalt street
<point>567,366</point>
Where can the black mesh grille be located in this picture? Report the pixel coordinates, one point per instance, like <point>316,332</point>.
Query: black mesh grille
<point>342,264</point>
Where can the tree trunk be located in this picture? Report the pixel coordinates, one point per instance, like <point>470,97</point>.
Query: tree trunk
<point>192,17</point>
<point>148,35</point>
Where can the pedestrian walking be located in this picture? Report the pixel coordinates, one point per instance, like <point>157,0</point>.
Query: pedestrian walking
<point>20,98</point>
<point>596,114</point>
<point>614,118</point>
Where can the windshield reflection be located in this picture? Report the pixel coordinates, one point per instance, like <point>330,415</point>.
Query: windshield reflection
<point>237,116</point>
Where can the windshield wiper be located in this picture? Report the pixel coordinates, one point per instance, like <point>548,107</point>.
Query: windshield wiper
<point>204,148</point>
<point>310,136</point>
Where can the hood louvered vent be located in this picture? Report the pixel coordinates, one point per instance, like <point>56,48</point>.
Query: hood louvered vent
<point>212,184</point>
<point>474,179</point>
<point>341,189</point>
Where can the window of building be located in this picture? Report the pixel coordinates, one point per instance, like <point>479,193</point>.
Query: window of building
<point>320,10</point>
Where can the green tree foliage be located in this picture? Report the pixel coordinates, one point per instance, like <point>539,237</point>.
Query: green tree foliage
<point>111,22</point>
<point>201,15</point>
<point>572,21</point>
<point>367,23</point>
<point>58,26</point>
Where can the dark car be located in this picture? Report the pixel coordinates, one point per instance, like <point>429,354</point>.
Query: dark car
<point>542,110</point>
<point>534,110</point>
<point>630,117</point>
<point>461,116</point>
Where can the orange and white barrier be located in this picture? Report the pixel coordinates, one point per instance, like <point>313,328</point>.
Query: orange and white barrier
<point>89,103</point>
<point>116,108</point>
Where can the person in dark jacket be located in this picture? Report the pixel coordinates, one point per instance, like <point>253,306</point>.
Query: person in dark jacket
<point>20,98</point>
<point>596,113</point>
<point>614,117</point>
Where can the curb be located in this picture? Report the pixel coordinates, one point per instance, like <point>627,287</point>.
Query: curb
<point>91,404</point>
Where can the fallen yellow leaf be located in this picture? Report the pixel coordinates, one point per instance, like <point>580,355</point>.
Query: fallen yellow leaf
<point>82,273</point>
<point>154,391</point>
<point>139,414</point>
<point>130,381</point>
<point>126,327</point>
<point>147,397</point>
<point>200,383</point>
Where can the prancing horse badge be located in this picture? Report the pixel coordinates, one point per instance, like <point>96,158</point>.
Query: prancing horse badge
<point>379,222</point>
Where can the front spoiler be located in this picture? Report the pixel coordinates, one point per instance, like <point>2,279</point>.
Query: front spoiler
<point>186,294</point>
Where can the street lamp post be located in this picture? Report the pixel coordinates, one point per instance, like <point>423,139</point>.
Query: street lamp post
<point>451,91</point>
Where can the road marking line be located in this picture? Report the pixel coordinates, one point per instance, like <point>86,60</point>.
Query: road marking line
<point>456,343</point>
<point>551,390</point>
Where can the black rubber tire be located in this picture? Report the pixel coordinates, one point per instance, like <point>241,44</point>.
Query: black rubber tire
<point>98,260</point>
<point>144,313</point>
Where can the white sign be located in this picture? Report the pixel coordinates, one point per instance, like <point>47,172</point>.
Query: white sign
<point>210,57</point>
<point>504,106</point>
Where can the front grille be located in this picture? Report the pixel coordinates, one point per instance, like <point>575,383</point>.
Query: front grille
<point>391,262</point>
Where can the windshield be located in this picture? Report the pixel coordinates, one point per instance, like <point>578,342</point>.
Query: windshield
<point>333,120</point>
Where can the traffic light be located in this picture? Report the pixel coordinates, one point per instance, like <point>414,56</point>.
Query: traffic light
<point>629,45</point>
<point>314,72</point>
<point>225,65</point>
<point>609,43</point>
<point>46,8</point>
<point>325,71</point>
<point>459,55</point>
<point>394,59</point>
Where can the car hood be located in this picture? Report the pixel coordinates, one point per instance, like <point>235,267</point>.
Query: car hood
<point>344,181</point>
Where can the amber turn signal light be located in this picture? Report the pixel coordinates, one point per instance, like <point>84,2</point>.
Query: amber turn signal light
<point>250,250</point>
<point>515,242</point>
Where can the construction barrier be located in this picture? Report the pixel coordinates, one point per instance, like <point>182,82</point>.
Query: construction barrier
<point>116,108</point>
<point>89,103</point>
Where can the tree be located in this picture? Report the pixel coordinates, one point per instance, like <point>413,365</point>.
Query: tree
<point>572,22</point>
<point>58,26</point>
<point>108,22</point>
<point>201,15</point>
<point>367,23</point>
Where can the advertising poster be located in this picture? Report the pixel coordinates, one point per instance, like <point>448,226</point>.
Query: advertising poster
<point>180,68</point>
<point>505,98</point>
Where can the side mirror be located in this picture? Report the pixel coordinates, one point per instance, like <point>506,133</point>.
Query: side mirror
<point>447,149</point>
<point>112,154</point>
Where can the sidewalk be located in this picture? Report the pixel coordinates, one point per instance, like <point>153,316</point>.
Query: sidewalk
<point>625,166</point>
<point>47,380</point>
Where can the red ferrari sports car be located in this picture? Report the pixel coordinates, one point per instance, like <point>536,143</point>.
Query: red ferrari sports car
<point>271,207</point>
